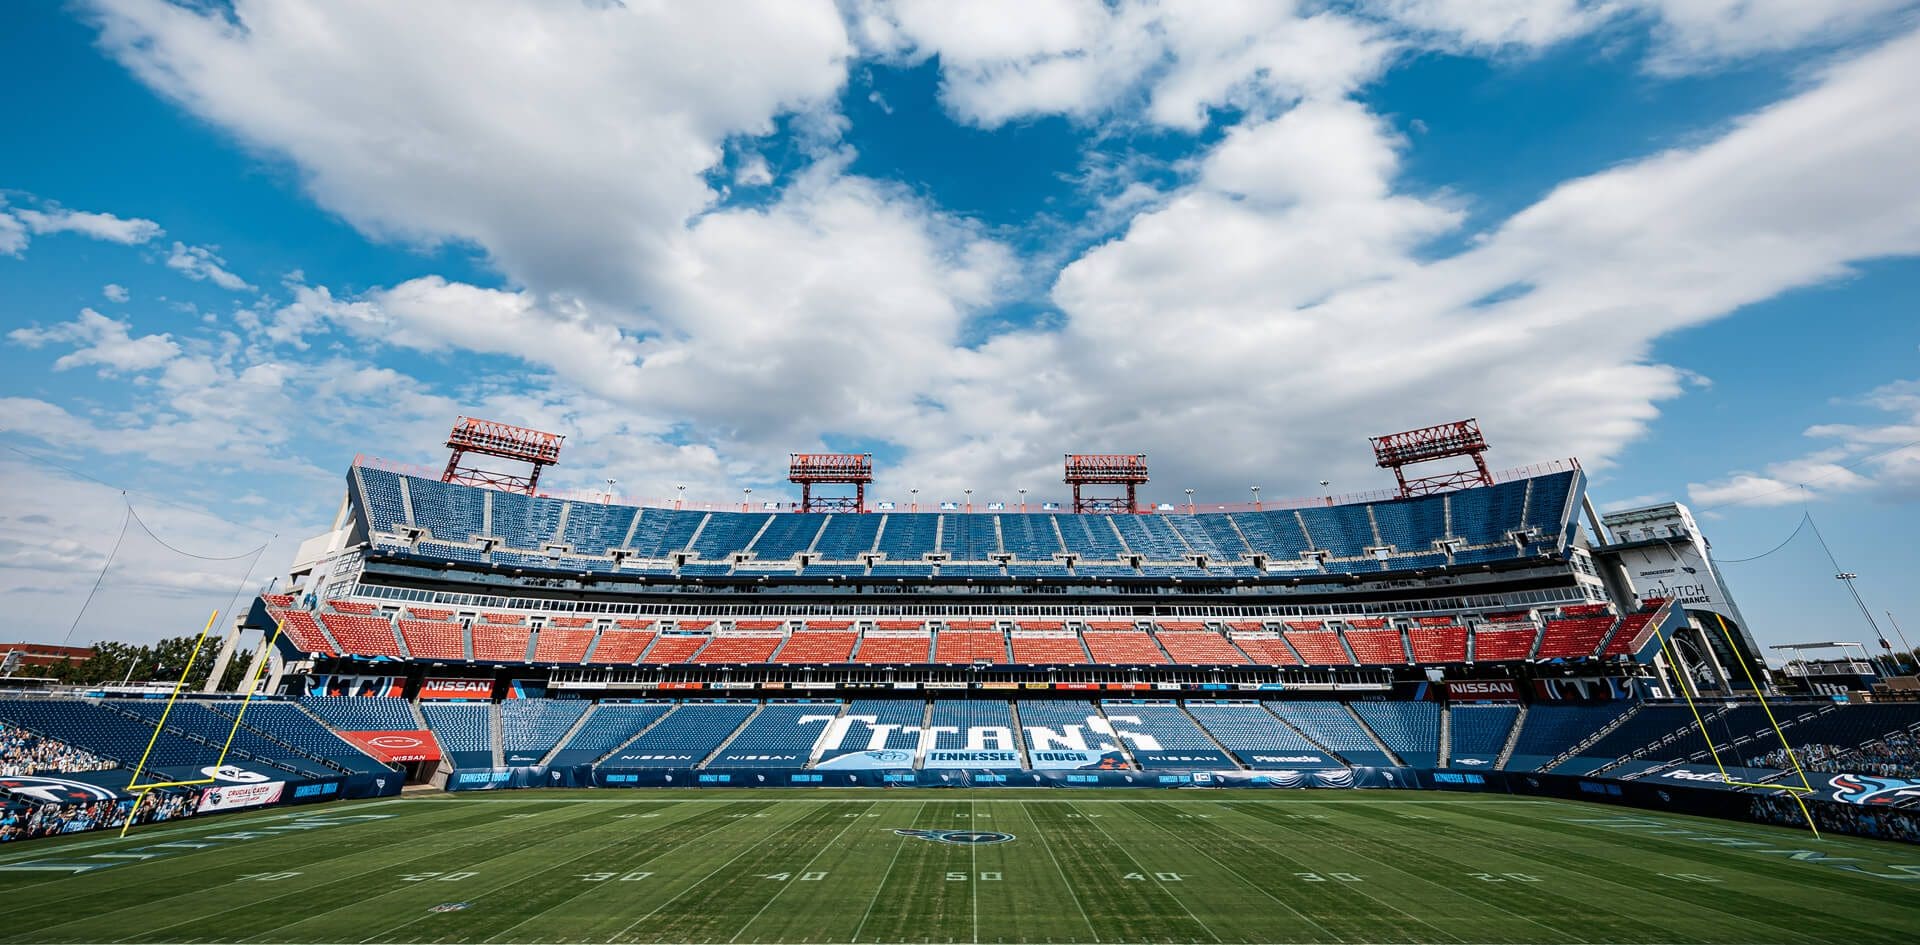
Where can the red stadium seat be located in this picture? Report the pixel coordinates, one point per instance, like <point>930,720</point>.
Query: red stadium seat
<point>1319,647</point>
<point>561,645</point>
<point>435,640</point>
<point>1134,647</point>
<point>500,644</point>
<point>622,647</point>
<point>1377,647</point>
<point>1437,642</point>
<point>362,636</point>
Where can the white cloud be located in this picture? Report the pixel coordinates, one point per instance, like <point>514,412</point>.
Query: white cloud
<point>1288,291</point>
<point>115,292</point>
<point>753,172</point>
<point>1696,34</point>
<point>1880,458</point>
<point>568,140</point>
<point>202,265</point>
<point>1688,35</point>
<point>1012,59</point>
<point>13,235</point>
<point>100,341</point>
<point>100,226</point>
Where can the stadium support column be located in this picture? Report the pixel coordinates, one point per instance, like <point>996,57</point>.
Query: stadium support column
<point>253,667</point>
<point>220,662</point>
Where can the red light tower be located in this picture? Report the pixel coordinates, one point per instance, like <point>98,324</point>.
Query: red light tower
<point>1106,469</point>
<point>1396,451</point>
<point>492,438</point>
<point>810,469</point>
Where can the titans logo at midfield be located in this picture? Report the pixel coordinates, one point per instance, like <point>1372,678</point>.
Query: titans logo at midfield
<point>957,836</point>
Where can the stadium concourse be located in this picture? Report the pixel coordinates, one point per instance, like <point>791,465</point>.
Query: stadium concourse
<point>455,636</point>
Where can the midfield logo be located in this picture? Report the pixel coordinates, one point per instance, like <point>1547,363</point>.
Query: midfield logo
<point>957,836</point>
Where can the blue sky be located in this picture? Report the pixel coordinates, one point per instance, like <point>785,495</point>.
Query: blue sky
<point>241,243</point>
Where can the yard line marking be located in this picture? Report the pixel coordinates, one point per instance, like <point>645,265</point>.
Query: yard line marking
<point>363,900</point>
<point>1170,893</point>
<point>768,835</point>
<point>1423,879</point>
<point>901,845</point>
<point>1263,890</point>
<point>785,886</point>
<point>1071,893</point>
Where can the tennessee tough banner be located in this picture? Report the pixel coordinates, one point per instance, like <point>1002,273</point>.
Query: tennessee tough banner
<point>396,746</point>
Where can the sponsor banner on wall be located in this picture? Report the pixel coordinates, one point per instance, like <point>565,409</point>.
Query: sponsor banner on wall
<point>392,687</point>
<point>1200,758</point>
<point>396,746</point>
<point>1290,759</point>
<point>1056,759</point>
<point>975,759</point>
<point>449,687</point>
<point>1483,690</point>
<point>868,760</point>
<point>237,796</point>
<point>681,685</point>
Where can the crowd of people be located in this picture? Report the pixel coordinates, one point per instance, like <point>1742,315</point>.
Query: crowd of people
<point>23,752</point>
<point>25,821</point>
<point>1895,756</point>
<point>1883,823</point>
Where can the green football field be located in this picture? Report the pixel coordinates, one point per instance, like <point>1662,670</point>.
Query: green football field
<point>828,867</point>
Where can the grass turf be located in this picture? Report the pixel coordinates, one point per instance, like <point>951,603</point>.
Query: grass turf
<point>827,867</point>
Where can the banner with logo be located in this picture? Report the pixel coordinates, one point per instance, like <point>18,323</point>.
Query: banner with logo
<point>237,796</point>
<point>396,746</point>
<point>1199,758</point>
<point>980,759</point>
<point>448,687</point>
<point>392,687</point>
<point>1482,690</point>
<point>1284,759</point>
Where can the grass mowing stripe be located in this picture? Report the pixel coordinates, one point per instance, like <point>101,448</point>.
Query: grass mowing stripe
<point>1041,836</point>
<point>1765,881</point>
<point>155,883</point>
<point>629,927</point>
<point>1261,888</point>
<point>804,869</point>
<point>463,925</point>
<point>385,894</point>
<point>898,845</point>
<point>1350,843</point>
<point>1170,893</point>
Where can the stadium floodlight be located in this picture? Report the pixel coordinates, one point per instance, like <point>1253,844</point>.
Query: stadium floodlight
<point>1023,501</point>
<point>1396,451</point>
<point>1256,497</point>
<point>1189,493</point>
<point>536,448</point>
<point>808,470</point>
<point>1126,470</point>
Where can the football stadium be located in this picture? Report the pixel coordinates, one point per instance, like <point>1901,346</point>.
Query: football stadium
<point>1462,709</point>
<point>959,472</point>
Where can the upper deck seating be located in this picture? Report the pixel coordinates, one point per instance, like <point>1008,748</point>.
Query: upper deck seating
<point>1192,644</point>
<point>1123,647</point>
<point>970,646</point>
<point>820,642</point>
<point>895,641</point>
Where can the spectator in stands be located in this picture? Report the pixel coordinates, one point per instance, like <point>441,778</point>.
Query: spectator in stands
<point>1895,756</point>
<point>23,752</point>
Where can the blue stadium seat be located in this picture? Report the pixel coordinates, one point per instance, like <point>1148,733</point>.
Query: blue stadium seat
<point>688,734</point>
<point>610,725</point>
<point>777,737</point>
<point>1258,739</point>
<point>1478,733</point>
<point>529,728</point>
<point>464,730</point>
<point>1330,724</point>
<point>1410,729</point>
